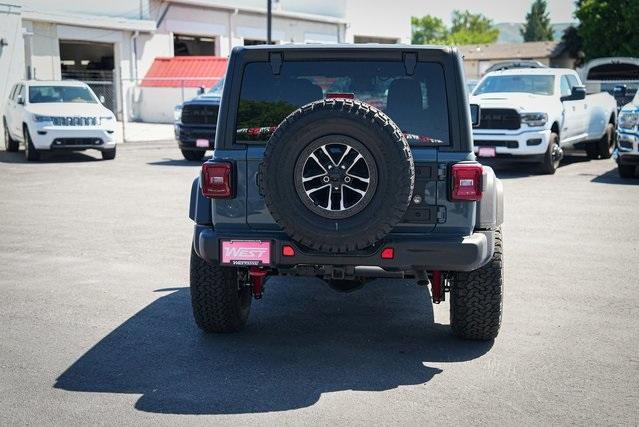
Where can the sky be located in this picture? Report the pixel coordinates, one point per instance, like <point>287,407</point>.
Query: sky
<point>497,10</point>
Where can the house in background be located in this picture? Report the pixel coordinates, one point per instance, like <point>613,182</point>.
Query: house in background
<point>478,58</point>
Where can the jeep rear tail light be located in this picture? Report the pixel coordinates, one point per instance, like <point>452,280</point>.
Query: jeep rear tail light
<point>466,183</point>
<point>216,180</point>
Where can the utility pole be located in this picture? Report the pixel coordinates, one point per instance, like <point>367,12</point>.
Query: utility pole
<point>269,17</point>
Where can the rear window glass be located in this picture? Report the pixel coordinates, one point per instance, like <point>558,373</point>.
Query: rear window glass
<point>417,103</point>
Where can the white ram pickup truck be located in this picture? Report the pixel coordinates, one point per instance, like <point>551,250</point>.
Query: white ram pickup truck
<point>534,114</point>
<point>57,115</point>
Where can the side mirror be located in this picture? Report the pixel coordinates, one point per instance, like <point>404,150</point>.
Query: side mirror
<point>102,99</point>
<point>620,91</point>
<point>20,100</point>
<point>201,90</point>
<point>474,114</point>
<point>577,94</point>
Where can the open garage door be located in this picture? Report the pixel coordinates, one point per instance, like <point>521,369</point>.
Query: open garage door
<point>93,64</point>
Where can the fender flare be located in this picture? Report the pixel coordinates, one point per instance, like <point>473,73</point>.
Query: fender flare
<point>199,206</point>
<point>490,209</point>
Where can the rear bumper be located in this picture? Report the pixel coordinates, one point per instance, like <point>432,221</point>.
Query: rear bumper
<point>187,135</point>
<point>432,253</point>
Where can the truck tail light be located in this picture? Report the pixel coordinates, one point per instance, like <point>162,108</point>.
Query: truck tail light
<point>217,180</point>
<point>466,183</point>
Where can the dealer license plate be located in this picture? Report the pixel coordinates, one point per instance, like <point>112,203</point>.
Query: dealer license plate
<point>246,252</point>
<point>487,152</point>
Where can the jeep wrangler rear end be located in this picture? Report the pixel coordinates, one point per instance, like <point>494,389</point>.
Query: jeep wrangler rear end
<point>347,163</point>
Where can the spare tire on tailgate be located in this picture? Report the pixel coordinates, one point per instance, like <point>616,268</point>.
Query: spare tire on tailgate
<point>337,175</point>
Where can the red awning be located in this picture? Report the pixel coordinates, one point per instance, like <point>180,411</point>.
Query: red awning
<point>185,71</point>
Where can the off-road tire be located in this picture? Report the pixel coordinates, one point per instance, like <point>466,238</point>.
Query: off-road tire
<point>30,152</point>
<point>476,298</point>
<point>219,304</point>
<point>109,154</point>
<point>606,145</point>
<point>193,155</point>
<point>550,163</point>
<point>339,118</point>
<point>626,171</point>
<point>10,144</point>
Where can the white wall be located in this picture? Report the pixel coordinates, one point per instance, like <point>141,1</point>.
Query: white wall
<point>131,9</point>
<point>230,29</point>
<point>156,104</point>
<point>11,55</point>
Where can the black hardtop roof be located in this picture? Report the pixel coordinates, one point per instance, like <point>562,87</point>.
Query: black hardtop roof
<point>363,49</point>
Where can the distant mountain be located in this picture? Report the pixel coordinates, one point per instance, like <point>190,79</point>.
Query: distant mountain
<point>509,31</point>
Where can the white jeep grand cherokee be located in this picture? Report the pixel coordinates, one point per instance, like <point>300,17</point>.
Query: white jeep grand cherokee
<point>57,115</point>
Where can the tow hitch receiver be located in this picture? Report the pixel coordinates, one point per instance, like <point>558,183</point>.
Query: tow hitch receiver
<point>256,277</point>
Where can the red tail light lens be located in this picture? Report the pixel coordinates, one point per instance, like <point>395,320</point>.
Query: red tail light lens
<point>466,183</point>
<point>388,253</point>
<point>216,180</point>
<point>288,250</point>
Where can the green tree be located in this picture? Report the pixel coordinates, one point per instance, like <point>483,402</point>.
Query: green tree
<point>574,44</point>
<point>537,26</point>
<point>427,30</point>
<point>608,27</point>
<point>466,28</point>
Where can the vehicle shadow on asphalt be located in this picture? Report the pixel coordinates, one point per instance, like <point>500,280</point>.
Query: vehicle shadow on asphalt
<point>303,340</point>
<point>507,169</point>
<point>59,157</point>
<point>178,162</point>
<point>612,177</point>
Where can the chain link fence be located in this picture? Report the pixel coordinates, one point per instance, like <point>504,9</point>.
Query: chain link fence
<point>102,82</point>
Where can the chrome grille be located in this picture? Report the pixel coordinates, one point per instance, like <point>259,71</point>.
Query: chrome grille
<point>75,121</point>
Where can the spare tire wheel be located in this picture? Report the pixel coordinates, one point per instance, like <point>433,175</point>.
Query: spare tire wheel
<point>337,175</point>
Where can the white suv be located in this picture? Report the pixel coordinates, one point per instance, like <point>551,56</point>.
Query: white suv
<point>57,115</point>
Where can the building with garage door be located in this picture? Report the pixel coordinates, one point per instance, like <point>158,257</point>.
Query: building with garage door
<point>112,45</point>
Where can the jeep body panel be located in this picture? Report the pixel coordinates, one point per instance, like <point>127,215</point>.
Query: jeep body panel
<point>458,235</point>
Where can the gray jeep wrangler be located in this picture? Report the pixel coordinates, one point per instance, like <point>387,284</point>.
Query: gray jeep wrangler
<point>346,163</point>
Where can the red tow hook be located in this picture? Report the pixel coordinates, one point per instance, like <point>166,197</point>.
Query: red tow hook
<point>256,276</point>
<point>436,287</point>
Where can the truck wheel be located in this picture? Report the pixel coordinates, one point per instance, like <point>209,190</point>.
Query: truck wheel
<point>592,150</point>
<point>10,144</point>
<point>606,145</point>
<point>108,154</point>
<point>476,298</point>
<point>626,171</point>
<point>193,155</point>
<point>30,152</point>
<point>220,301</point>
<point>337,175</point>
<point>553,155</point>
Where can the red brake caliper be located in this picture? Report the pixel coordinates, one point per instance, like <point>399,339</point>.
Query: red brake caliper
<point>257,275</point>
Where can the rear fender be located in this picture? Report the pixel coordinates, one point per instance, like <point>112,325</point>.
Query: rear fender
<point>200,206</point>
<point>490,209</point>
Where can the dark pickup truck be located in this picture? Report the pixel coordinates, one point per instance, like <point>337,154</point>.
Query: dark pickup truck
<point>346,163</point>
<point>196,121</point>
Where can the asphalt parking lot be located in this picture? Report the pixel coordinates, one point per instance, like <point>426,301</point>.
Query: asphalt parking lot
<point>97,327</point>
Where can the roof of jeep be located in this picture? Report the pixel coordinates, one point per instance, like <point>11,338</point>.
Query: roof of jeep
<point>359,46</point>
